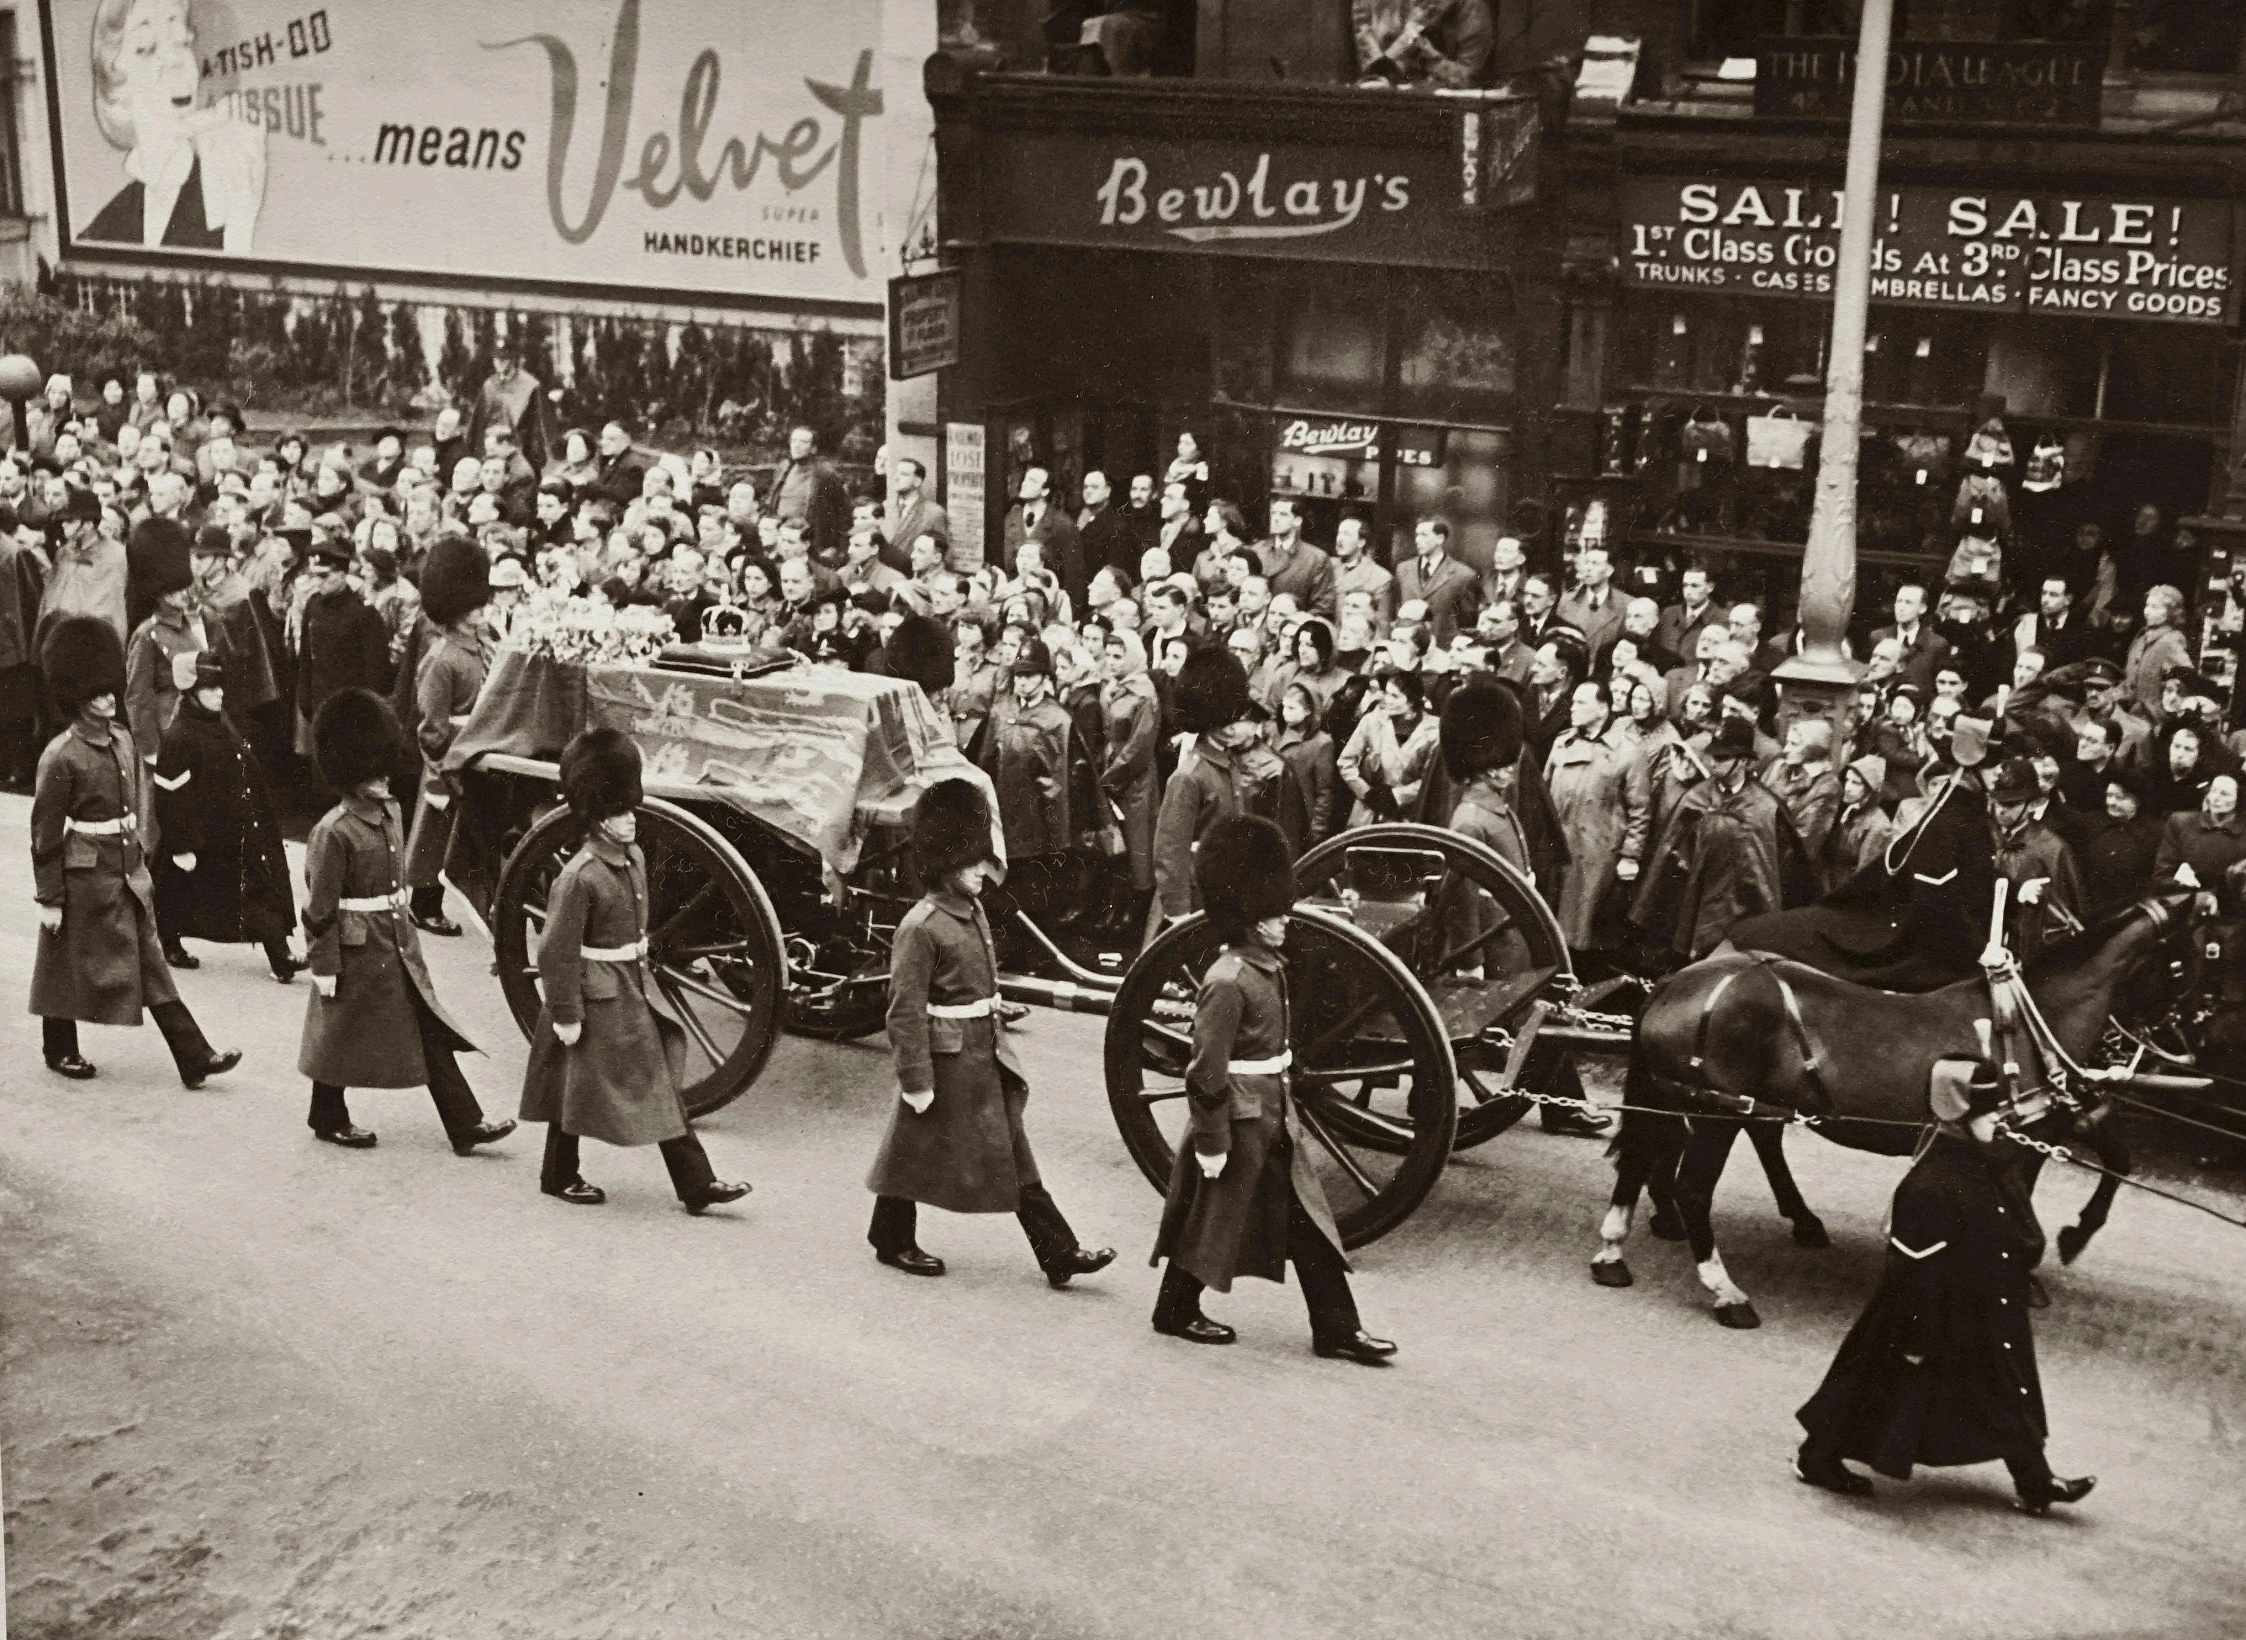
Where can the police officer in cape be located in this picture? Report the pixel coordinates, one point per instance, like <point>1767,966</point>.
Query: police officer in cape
<point>955,1138</point>
<point>99,960</point>
<point>221,873</point>
<point>1940,1368</point>
<point>1243,1199</point>
<point>603,1065</point>
<point>373,1019</point>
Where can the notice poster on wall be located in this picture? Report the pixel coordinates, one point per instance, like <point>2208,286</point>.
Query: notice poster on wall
<point>965,452</point>
<point>1990,249</point>
<point>648,144</point>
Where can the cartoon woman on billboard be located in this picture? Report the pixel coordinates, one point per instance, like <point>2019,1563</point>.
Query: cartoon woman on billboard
<point>198,177</point>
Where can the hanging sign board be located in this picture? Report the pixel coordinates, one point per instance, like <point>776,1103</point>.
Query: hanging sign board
<point>965,452</point>
<point>2005,82</point>
<point>923,324</point>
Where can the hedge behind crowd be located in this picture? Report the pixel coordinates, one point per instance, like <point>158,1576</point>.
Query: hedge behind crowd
<point>307,356</point>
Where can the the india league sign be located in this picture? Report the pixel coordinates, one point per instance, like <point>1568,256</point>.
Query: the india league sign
<point>657,145</point>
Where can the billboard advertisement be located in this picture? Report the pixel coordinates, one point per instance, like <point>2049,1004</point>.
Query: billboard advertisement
<point>629,146</point>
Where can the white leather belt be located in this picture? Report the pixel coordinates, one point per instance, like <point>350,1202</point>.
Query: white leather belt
<point>614,953</point>
<point>102,828</point>
<point>378,902</point>
<point>980,1009</point>
<point>1260,1067</point>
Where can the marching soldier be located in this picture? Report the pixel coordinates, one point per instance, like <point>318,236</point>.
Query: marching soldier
<point>221,873</point>
<point>99,960</point>
<point>955,1138</point>
<point>455,587</point>
<point>1940,1368</point>
<point>372,1020</point>
<point>601,1066</point>
<point>1243,1199</point>
<point>1482,736</point>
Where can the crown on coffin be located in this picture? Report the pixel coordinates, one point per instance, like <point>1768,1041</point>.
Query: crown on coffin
<point>725,626</point>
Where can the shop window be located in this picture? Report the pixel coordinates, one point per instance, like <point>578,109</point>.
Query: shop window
<point>2185,37</point>
<point>1248,303</point>
<point>1456,350</point>
<point>2165,374</point>
<point>1332,353</point>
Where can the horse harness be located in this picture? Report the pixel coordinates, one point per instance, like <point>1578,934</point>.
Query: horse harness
<point>1702,1090</point>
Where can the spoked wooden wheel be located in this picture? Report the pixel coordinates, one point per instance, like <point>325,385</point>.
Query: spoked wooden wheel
<point>1370,1056</point>
<point>714,943</point>
<point>838,954</point>
<point>1475,933</point>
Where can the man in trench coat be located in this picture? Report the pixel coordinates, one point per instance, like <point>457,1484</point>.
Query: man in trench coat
<point>1940,1368</point>
<point>373,1019</point>
<point>1243,1199</point>
<point>602,1064</point>
<point>955,1138</point>
<point>99,961</point>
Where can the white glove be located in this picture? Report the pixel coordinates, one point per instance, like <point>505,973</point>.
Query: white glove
<point>1212,1166</point>
<point>439,801</point>
<point>185,862</point>
<point>918,1101</point>
<point>2031,891</point>
<point>567,1035</point>
<point>325,985</point>
<point>50,918</point>
<point>2186,876</point>
<point>183,670</point>
<point>1626,871</point>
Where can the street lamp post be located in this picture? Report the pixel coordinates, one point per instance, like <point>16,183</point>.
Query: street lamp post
<point>1820,681</point>
<point>19,383</point>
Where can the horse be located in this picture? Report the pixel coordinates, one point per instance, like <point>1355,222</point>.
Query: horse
<point>1739,1036</point>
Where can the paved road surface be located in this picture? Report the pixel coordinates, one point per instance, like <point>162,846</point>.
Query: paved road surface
<point>257,1386</point>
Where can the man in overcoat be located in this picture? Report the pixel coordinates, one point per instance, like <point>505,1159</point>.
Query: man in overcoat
<point>455,586</point>
<point>2047,899</point>
<point>160,654</point>
<point>602,1066</point>
<point>1729,852</point>
<point>99,959</point>
<point>1940,1368</point>
<point>1243,1199</point>
<point>221,873</point>
<point>956,1138</point>
<point>373,1019</point>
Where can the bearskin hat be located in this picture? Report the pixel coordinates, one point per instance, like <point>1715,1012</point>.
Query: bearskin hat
<point>1245,874</point>
<point>355,737</point>
<point>950,829</point>
<point>83,657</point>
<point>455,580</point>
<point>920,649</point>
<point>1481,729</point>
<point>600,774</point>
<point>156,557</point>
<point>1212,690</point>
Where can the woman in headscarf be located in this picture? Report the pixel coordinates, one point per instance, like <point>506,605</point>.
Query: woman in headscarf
<point>1388,756</point>
<point>1657,751</point>
<point>1308,752</point>
<point>2180,771</point>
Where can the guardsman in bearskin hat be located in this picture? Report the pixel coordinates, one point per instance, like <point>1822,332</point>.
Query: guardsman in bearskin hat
<point>373,1020</point>
<point>99,959</point>
<point>955,1138</point>
<point>601,1065</point>
<point>1213,705</point>
<point>455,587</point>
<point>1243,1199</point>
<point>1940,1368</point>
<point>221,873</point>
<point>160,655</point>
<point>921,649</point>
<point>1483,732</point>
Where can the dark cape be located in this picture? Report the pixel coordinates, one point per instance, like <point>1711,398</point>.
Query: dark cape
<point>1916,919</point>
<point>1954,1294</point>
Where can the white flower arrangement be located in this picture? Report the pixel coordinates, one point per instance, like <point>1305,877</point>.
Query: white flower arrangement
<point>589,631</point>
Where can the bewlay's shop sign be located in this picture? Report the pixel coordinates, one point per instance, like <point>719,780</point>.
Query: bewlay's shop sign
<point>1989,250</point>
<point>1297,201</point>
